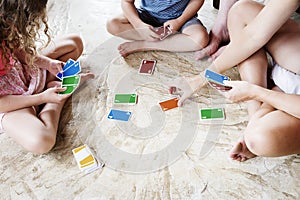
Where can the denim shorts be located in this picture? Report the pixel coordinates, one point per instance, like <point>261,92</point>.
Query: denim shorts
<point>146,17</point>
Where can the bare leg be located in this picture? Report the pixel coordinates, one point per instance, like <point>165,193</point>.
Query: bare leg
<point>270,133</point>
<point>121,27</point>
<point>254,70</point>
<point>192,38</point>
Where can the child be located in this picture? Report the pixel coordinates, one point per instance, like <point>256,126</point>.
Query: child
<point>27,79</point>
<point>139,25</point>
<point>274,115</point>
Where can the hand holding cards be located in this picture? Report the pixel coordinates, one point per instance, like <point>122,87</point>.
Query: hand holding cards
<point>163,32</point>
<point>69,76</point>
<point>216,80</point>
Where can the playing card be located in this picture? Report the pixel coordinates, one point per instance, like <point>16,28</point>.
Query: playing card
<point>219,86</point>
<point>169,104</point>
<point>70,89</point>
<point>125,99</point>
<point>163,32</point>
<point>71,80</point>
<point>119,115</point>
<point>72,70</point>
<point>86,160</point>
<point>215,77</point>
<point>212,114</point>
<point>147,67</point>
<point>66,66</point>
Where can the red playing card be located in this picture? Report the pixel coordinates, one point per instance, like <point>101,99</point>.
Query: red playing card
<point>147,67</point>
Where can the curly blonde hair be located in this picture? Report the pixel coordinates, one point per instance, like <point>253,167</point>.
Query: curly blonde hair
<point>20,22</point>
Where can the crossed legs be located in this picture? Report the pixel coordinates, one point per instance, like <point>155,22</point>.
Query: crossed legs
<point>36,132</point>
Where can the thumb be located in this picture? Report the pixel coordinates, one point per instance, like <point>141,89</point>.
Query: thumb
<point>229,83</point>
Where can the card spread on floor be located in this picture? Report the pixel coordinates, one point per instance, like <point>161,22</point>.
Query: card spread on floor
<point>119,115</point>
<point>71,83</point>
<point>163,31</point>
<point>169,104</point>
<point>125,99</point>
<point>65,67</point>
<point>212,114</point>
<point>86,159</point>
<point>147,67</point>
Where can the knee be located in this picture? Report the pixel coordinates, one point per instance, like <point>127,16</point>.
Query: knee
<point>202,39</point>
<point>112,26</point>
<point>76,44</point>
<point>41,144</point>
<point>261,141</point>
<point>238,11</point>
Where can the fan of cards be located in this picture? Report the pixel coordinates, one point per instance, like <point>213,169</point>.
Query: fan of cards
<point>69,77</point>
<point>216,80</point>
<point>86,159</point>
<point>163,31</point>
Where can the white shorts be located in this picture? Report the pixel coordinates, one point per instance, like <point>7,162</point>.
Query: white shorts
<point>287,81</point>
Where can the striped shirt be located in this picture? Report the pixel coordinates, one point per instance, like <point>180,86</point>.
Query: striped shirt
<point>165,9</point>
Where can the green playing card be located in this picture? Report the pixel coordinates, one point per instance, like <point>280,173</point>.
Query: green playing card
<point>70,89</point>
<point>125,99</point>
<point>71,80</point>
<point>212,114</point>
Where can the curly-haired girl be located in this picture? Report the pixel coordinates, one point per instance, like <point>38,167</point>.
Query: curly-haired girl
<point>30,105</point>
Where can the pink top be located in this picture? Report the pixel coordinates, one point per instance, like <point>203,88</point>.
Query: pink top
<point>21,79</point>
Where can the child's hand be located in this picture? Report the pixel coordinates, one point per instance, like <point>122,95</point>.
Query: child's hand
<point>51,95</point>
<point>55,66</point>
<point>241,91</point>
<point>147,32</point>
<point>186,86</point>
<point>173,24</point>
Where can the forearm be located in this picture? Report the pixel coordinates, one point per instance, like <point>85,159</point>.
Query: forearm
<point>221,20</point>
<point>130,13</point>
<point>190,11</point>
<point>255,34</point>
<point>14,102</point>
<point>288,103</point>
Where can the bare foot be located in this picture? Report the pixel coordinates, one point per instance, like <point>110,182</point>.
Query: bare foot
<point>86,76</point>
<point>240,152</point>
<point>130,47</point>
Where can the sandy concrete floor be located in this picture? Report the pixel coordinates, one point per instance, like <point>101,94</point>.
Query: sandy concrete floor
<point>156,155</point>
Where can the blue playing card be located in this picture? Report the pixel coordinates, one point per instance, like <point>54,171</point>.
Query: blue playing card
<point>69,63</point>
<point>215,77</point>
<point>72,70</point>
<point>119,115</point>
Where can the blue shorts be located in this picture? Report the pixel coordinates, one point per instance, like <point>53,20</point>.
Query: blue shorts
<point>146,17</point>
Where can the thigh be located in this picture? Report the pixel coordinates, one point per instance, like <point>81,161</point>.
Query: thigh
<point>193,24</point>
<point>22,125</point>
<point>62,46</point>
<point>273,133</point>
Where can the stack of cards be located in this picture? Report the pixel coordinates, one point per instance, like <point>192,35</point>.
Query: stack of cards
<point>86,160</point>
<point>69,76</point>
<point>216,80</point>
<point>163,32</point>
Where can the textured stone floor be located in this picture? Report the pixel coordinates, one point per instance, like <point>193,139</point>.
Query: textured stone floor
<point>156,155</point>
